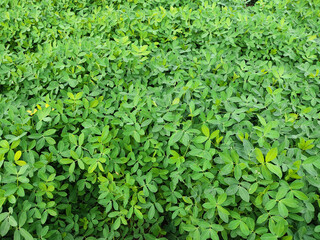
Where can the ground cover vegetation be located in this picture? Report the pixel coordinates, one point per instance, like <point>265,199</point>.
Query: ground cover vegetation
<point>182,119</point>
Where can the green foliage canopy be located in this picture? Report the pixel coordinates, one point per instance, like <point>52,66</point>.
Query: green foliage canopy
<point>159,119</point>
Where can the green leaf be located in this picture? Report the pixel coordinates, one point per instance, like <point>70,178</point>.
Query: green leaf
<point>12,221</point>
<point>234,224</point>
<point>290,202</point>
<point>282,210</point>
<point>262,120</point>
<point>200,139</point>
<point>244,228</point>
<point>189,227</point>
<point>176,101</point>
<point>22,219</point>
<point>253,188</point>
<point>113,214</point>
<point>237,172</point>
<point>196,235</point>
<point>92,167</point>
<point>3,216</point>
<point>268,236</point>
<point>73,139</point>
<point>152,188</point>
<point>280,229</point>
<point>259,155</point>
<point>175,138</point>
<point>209,205</point>
<point>4,144</point>
<point>117,223</point>
<point>214,235</point>
<point>275,169</point>
<point>3,150</point>
<point>222,198</point>
<point>282,192</point>
<point>4,227</point>
<point>52,212</point>
<point>270,204</point>
<point>205,130</point>
<point>17,155</point>
<point>226,157</point>
<point>151,212</point>
<point>16,235</point>
<point>223,214</point>
<point>50,140</point>
<point>66,161</point>
<point>214,134</point>
<point>159,207</point>
<point>136,136</point>
<point>300,195</point>
<point>80,163</point>
<point>262,218</point>
<point>244,194</point>
<point>138,213</point>
<point>74,155</point>
<point>81,139</point>
<point>49,132</point>
<point>227,169</point>
<point>25,234</point>
<point>271,155</point>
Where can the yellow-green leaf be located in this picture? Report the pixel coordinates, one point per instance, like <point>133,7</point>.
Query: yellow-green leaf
<point>21,163</point>
<point>272,154</point>
<point>205,130</point>
<point>259,155</point>
<point>17,155</point>
<point>176,101</point>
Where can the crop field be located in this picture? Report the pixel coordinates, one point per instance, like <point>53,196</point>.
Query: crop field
<point>159,119</point>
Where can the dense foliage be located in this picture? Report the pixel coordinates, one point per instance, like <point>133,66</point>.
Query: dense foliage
<point>159,119</point>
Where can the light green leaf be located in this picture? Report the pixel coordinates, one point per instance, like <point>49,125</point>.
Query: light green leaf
<point>49,132</point>
<point>200,139</point>
<point>117,223</point>
<point>136,136</point>
<point>138,213</point>
<point>12,221</point>
<point>50,140</point>
<point>262,218</point>
<point>259,155</point>
<point>175,137</point>
<point>66,161</point>
<point>271,155</point>
<point>223,214</point>
<point>275,169</point>
<point>227,169</point>
<point>282,210</point>
<point>300,195</point>
<point>176,101</point>
<point>222,198</point>
<point>4,227</point>
<point>234,224</point>
<point>205,130</point>
<point>244,228</point>
<point>268,236</point>
<point>244,194</point>
<point>25,234</point>
<point>22,219</point>
<point>214,134</point>
<point>151,212</point>
<point>52,212</point>
<point>92,167</point>
<point>290,202</point>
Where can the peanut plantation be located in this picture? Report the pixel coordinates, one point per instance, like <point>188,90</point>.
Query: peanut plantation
<point>156,119</point>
